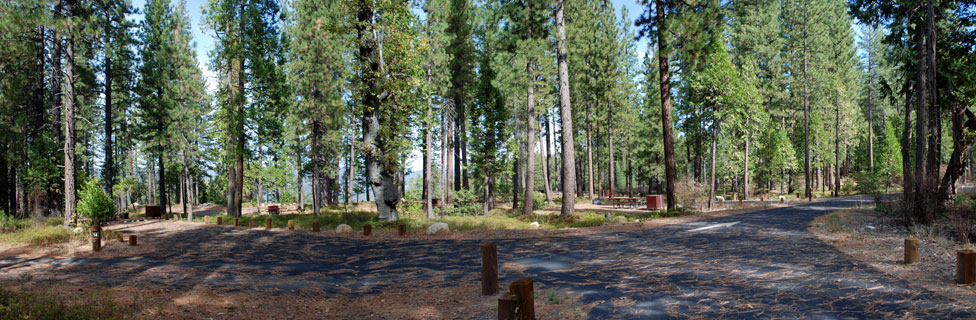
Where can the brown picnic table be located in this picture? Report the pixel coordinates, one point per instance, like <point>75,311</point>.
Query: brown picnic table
<point>623,201</point>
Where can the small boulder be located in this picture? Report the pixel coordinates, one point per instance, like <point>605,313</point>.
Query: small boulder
<point>535,225</point>
<point>438,228</point>
<point>78,230</point>
<point>720,198</point>
<point>343,228</point>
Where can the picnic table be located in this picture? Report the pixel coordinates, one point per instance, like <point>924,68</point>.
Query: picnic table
<point>623,201</point>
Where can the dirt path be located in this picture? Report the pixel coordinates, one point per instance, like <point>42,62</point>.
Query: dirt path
<point>755,265</point>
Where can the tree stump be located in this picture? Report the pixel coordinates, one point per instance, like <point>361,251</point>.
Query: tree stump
<point>96,238</point>
<point>120,236</point>
<point>507,303</point>
<point>237,222</point>
<point>489,268</point>
<point>966,266</point>
<point>740,202</point>
<point>267,224</point>
<point>911,250</point>
<point>220,221</point>
<point>132,240</point>
<point>367,229</point>
<point>206,219</point>
<point>315,226</point>
<point>291,224</point>
<point>522,289</point>
<point>402,229</point>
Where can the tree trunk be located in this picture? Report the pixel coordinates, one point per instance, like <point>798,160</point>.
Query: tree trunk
<point>386,192</point>
<point>665,74</point>
<point>870,111</point>
<point>316,168</point>
<point>300,176</point>
<point>109,165</point>
<point>711,173</point>
<point>351,181</point>
<point>745,175</point>
<point>549,149</point>
<point>610,146</point>
<point>921,132</point>
<point>529,138</point>
<point>69,121</point>
<point>589,154</point>
<point>445,187</point>
<point>836,148</point>
<point>566,115</point>
<point>806,111</point>
<point>908,193</point>
<point>544,142</point>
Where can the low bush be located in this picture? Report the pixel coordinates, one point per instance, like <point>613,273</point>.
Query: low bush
<point>95,204</point>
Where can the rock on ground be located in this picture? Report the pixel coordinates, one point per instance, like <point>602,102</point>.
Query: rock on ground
<point>438,228</point>
<point>343,228</point>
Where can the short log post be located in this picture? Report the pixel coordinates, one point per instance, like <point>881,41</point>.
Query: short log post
<point>966,266</point>
<point>96,238</point>
<point>291,224</point>
<point>402,229</point>
<point>367,229</point>
<point>315,226</point>
<point>132,240</point>
<point>120,236</point>
<point>220,221</point>
<point>740,202</point>
<point>911,250</point>
<point>489,268</point>
<point>782,199</point>
<point>237,222</point>
<point>507,303</point>
<point>250,223</point>
<point>267,224</point>
<point>522,288</point>
<point>206,219</point>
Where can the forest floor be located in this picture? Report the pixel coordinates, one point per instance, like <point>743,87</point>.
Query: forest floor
<point>751,264</point>
<point>878,241</point>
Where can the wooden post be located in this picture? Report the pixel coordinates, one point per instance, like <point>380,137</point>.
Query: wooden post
<point>402,229</point>
<point>740,202</point>
<point>522,288</point>
<point>96,238</point>
<point>782,200</point>
<point>291,224</point>
<point>267,224</point>
<point>489,268</point>
<point>237,222</point>
<point>367,229</point>
<point>911,250</point>
<point>120,236</point>
<point>315,226</point>
<point>206,219</point>
<point>966,266</point>
<point>132,240</point>
<point>220,221</point>
<point>250,223</point>
<point>507,303</point>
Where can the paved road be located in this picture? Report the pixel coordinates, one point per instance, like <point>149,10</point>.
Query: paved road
<point>757,265</point>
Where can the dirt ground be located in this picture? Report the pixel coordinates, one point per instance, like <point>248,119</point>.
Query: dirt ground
<point>143,297</point>
<point>879,242</point>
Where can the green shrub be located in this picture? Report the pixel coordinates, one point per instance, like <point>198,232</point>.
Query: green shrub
<point>466,203</point>
<point>539,201</point>
<point>94,203</point>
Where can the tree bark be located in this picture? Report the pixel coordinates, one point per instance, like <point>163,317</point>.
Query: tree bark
<point>589,153</point>
<point>806,110</point>
<point>529,138</point>
<point>370,50</point>
<point>836,148</point>
<point>711,173</point>
<point>670,172</point>
<point>316,167</point>
<point>921,131</point>
<point>544,142</point>
<point>745,183</point>
<point>69,120</point>
<point>566,115</point>
<point>610,146</point>
<point>870,110</point>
